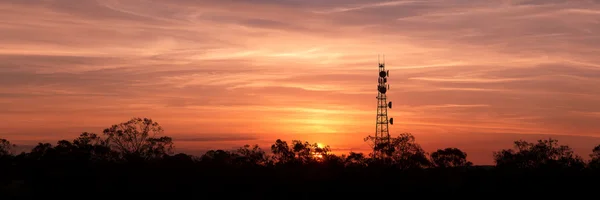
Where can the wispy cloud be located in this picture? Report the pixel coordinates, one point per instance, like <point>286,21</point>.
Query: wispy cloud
<point>367,6</point>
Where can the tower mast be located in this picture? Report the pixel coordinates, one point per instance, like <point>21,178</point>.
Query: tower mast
<point>382,134</point>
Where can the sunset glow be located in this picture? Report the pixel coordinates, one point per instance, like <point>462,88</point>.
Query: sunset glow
<point>475,75</point>
<point>320,145</point>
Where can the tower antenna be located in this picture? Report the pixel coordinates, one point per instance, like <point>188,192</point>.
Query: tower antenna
<point>381,141</point>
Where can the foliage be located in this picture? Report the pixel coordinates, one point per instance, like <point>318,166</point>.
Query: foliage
<point>543,154</point>
<point>137,138</point>
<point>449,157</point>
<point>5,147</point>
<point>131,159</point>
<point>595,158</point>
<point>406,153</point>
<point>282,152</point>
<point>401,151</point>
<point>252,156</point>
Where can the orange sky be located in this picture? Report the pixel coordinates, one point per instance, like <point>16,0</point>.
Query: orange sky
<point>222,73</point>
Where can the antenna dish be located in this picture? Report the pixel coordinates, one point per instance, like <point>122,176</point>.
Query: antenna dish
<point>392,121</point>
<point>382,89</point>
<point>382,74</point>
<point>390,104</point>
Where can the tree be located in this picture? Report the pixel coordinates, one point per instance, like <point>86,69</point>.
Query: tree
<point>96,147</point>
<point>254,155</point>
<point>544,153</point>
<point>382,148</point>
<point>307,152</point>
<point>332,160</point>
<point>321,152</point>
<point>6,147</point>
<point>180,159</point>
<point>282,152</point>
<point>42,151</point>
<point>449,157</point>
<point>401,151</point>
<point>138,138</point>
<point>406,153</point>
<point>355,160</point>
<point>595,158</point>
<point>302,150</point>
<point>6,152</point>
<point>88,139</point>
<point>86,147</point>
<point>218,157</point>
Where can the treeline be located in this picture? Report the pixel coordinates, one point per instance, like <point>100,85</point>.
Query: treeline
<point>135,158</point>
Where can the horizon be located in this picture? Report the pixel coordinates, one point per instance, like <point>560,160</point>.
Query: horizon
<point>221,74</point>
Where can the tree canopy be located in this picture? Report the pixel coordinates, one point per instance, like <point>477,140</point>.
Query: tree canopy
<point>136,156</point>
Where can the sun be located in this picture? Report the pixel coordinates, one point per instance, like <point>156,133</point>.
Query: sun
<point>318,155</point>
<point>320,145</point>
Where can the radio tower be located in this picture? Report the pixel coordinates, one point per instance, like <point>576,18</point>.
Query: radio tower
<point>382,134</point>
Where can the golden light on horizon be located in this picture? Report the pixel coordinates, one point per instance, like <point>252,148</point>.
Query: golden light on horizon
<point>320,145</point>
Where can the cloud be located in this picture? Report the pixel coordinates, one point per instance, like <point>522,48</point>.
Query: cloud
<point>538,2</point>
<point>377,4</point>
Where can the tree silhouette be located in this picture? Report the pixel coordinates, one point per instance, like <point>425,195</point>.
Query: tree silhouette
<point>355,160</point>
<point>299,169</point>
<point>86,147</point>
<point>89,139</point>
<point>282,152</point>
<point>543,154</point>
<point>595,158</point>
<point>6,154</point>
<point>302,150</point>
<point>252,156</point>
<point>330,160</point>
<point>42,150</point>
<point>138,138</point>
<point>96,148</point>
<point>382,147</point>
<point>449,157</point>
<point>401,151</point>
<point>218,157</point>
<point>180,159</point>
<point>307,152</point>
<point>6,147</point>
<point>319,152</point>
<point>407,153</point>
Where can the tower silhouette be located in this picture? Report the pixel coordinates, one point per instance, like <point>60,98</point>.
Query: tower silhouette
<point>382,133</point>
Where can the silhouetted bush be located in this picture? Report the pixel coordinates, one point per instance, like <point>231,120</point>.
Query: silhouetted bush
<point>131,161</point>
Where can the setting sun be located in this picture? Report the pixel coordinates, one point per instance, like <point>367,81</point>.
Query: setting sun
<point>319,153</point>
<point>320,145</point>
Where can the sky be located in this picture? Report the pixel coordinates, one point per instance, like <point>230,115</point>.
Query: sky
<point>476,75</point>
